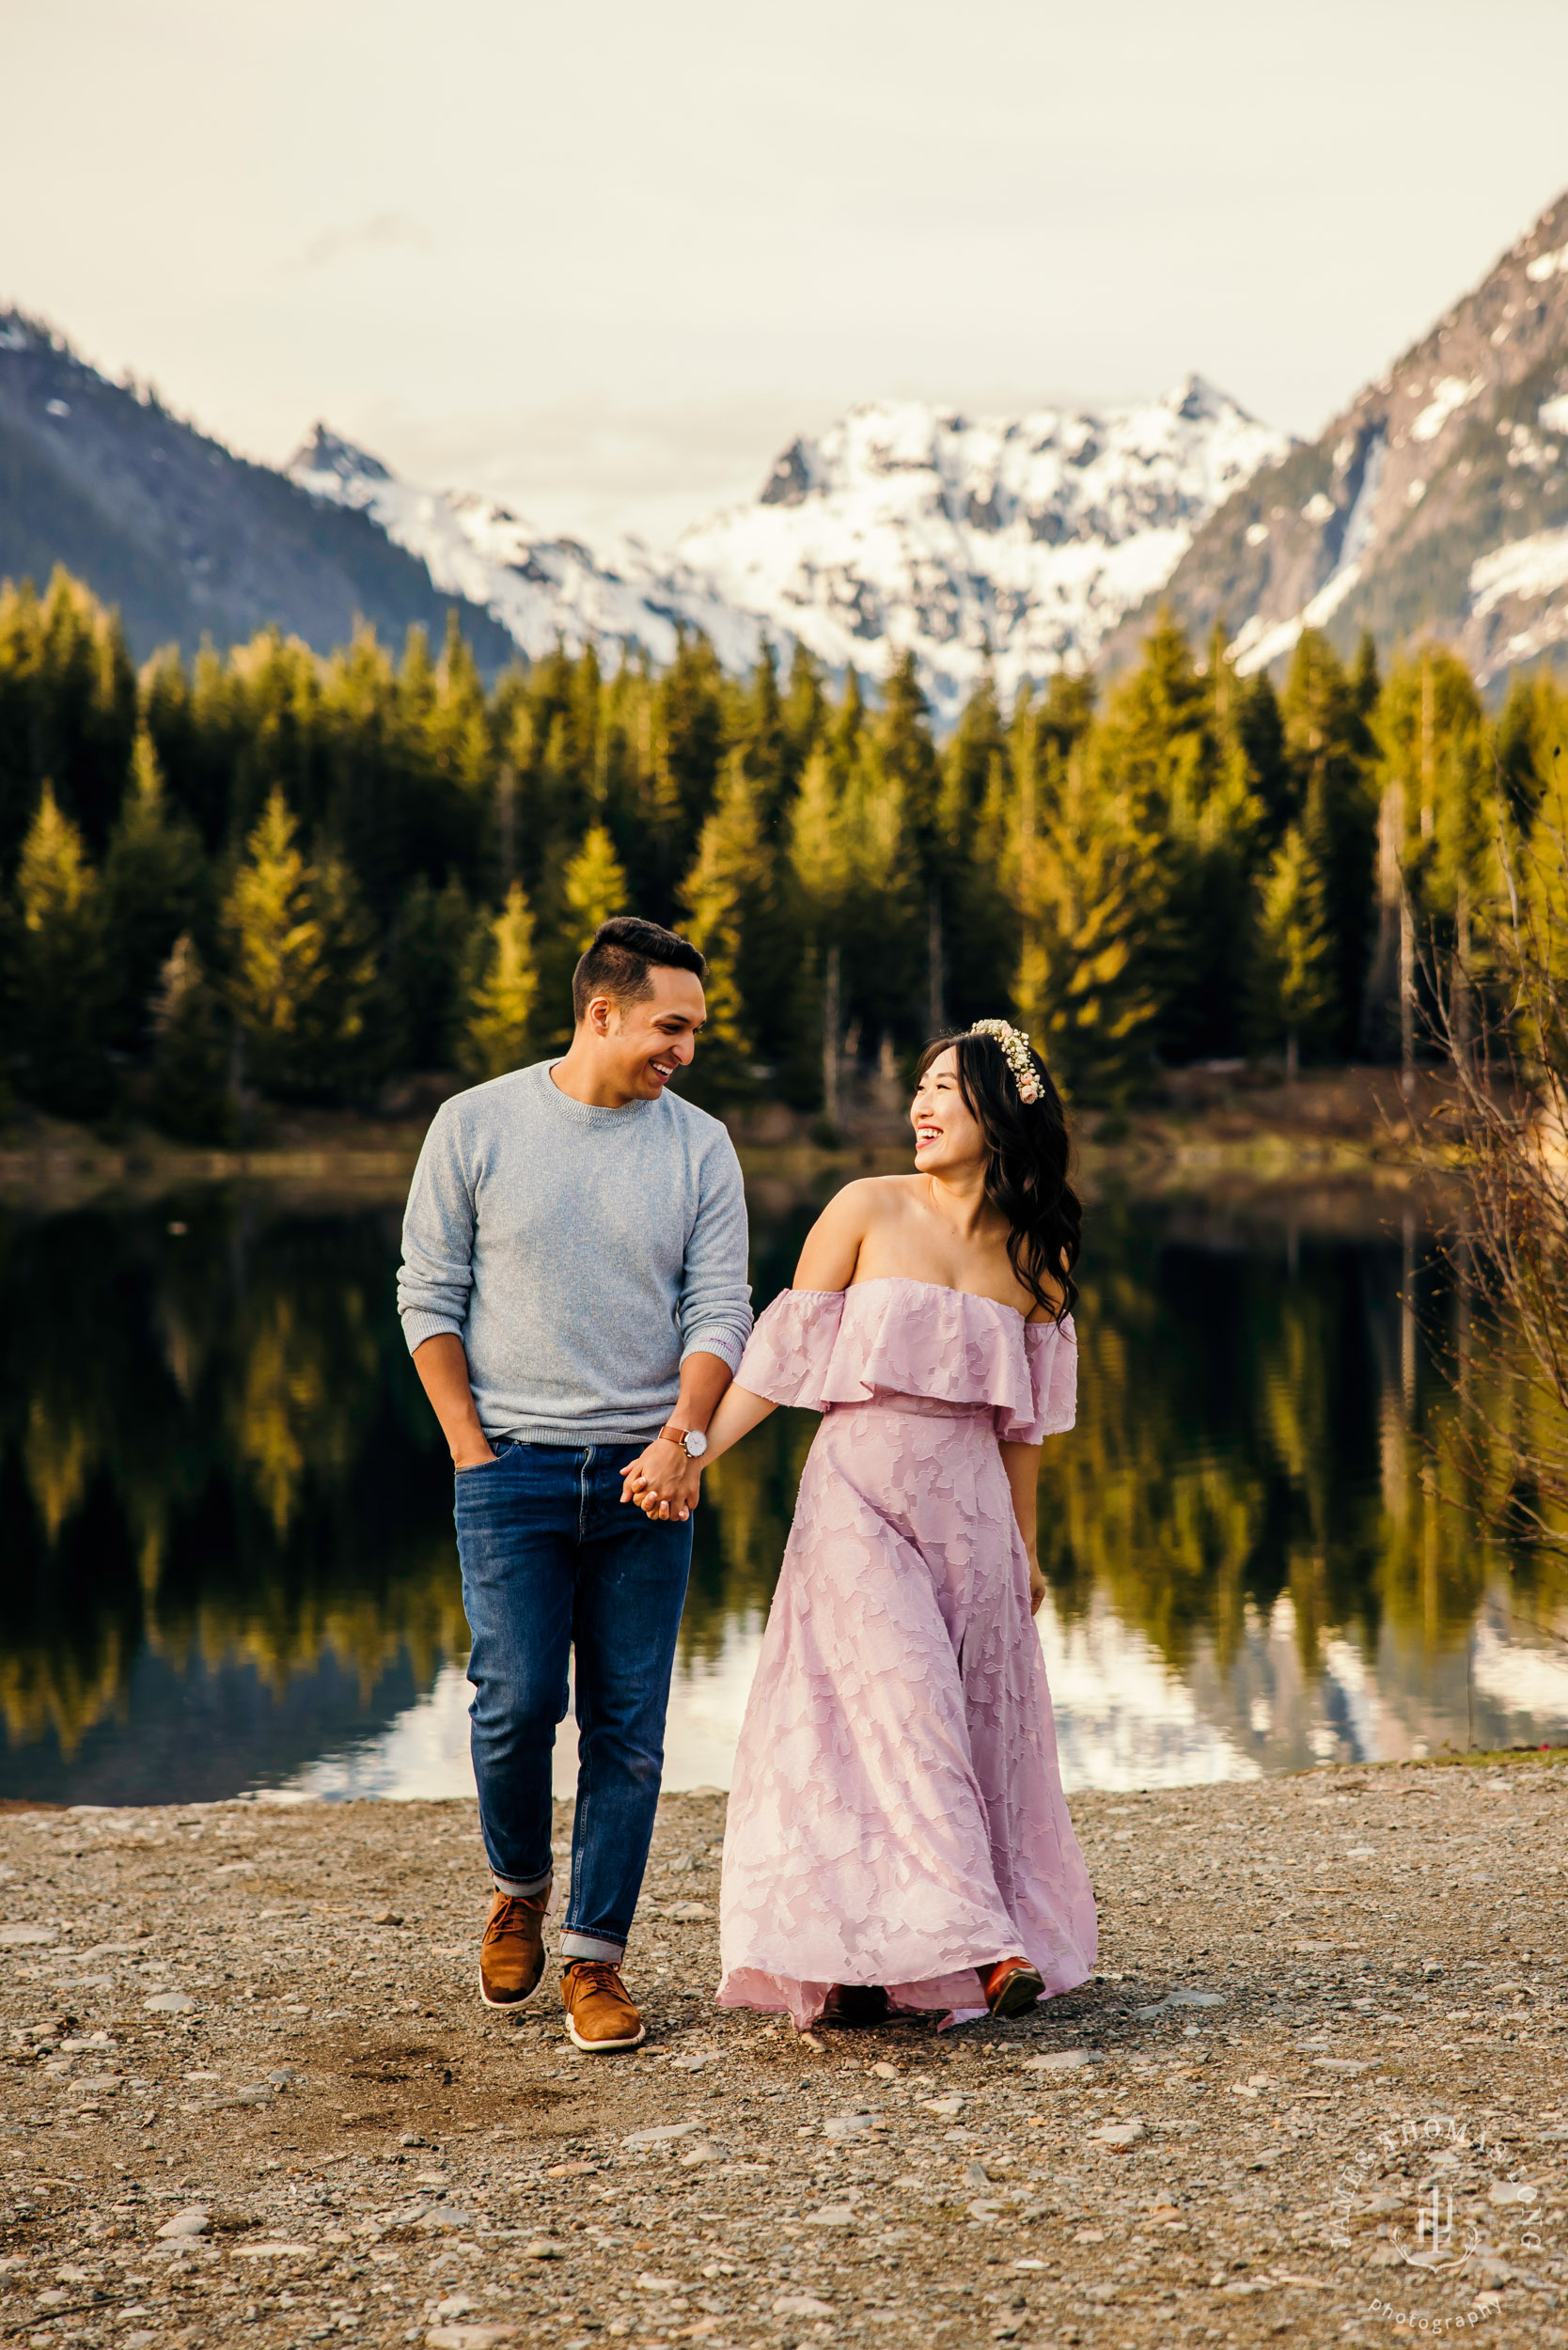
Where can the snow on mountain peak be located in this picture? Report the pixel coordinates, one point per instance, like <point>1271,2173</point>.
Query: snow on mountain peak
<point>1016,539</point>
<point>1023,539</point>
<point>543,591</point>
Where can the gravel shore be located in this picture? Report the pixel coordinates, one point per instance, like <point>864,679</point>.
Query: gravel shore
<point>251,2095</point>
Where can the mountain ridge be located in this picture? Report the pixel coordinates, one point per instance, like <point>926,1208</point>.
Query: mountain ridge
<point>542,589</point>
<point>1438,498</point>
<point>1013,542</point>
<point>187,539</point>
<point>1008,547</point>
<point>1010,542</point>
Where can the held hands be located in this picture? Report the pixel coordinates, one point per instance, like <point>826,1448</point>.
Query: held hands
<point>662,1481</point>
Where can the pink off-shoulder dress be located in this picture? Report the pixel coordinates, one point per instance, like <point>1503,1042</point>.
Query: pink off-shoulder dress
<point>897,1815</point>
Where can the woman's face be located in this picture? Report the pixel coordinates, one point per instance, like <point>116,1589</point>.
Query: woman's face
<point>947,1139</point>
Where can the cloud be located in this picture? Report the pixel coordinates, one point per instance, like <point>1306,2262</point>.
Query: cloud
<point>387,232</point>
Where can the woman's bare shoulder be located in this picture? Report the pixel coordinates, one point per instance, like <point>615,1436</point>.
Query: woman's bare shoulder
<point>832,1246</point>
<point>871,1198</point>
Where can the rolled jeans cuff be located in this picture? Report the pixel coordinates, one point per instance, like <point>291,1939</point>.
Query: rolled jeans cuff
<point>575,1945</point>
<point>518,1890</point>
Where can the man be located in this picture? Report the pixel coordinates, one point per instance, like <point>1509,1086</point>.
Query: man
<point>574,1288</point>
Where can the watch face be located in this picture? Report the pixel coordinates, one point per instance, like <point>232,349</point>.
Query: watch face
<point>696,1445</point>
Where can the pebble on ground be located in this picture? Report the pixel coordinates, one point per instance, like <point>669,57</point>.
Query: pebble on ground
<point>1317,2090</point>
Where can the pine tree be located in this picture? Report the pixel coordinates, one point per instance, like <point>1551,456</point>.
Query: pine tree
<point>153,878</point>
<point>498,1000</point>
<point>458,725</point>
<point>86,710</point>
<point>594,886</point>
<point>196,785</point>
<point>843,730</point>
<point>1258,727</point>
<point>302,972</point>
<point>805,706</point>
<point>1158,733</point>
<point>277,950</point>
<point>817,851</point>
<point>274,688</point>
<point>191,1097</point>
<point>1165,754</point>
<point>1329,751</point>
<point>1294,989</point>
<point>1532,743</point>
<point>730,902</point>
<point>854,869</point>
<point>688,732</point>
<point>1436,826</point>
<point>907,759</point>
<point>760,737</point>
<point>979,814</point>
<point>62,991</point>
<point>67,710</point>
<point>1088,893</point>
<point>425,960</point>
<point>1067,712</point>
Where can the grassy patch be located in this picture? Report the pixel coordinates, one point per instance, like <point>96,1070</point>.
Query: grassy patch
<point>1492,1755</point>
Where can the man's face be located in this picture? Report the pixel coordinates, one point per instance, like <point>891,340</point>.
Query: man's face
<point>644,1042</point>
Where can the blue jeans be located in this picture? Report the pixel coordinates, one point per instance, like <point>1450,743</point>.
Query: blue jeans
<point>552,1560</point>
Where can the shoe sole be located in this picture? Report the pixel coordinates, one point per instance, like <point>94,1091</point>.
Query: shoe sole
<point>1019,1992</point>
<point>604,2048</point>
<point>521,2000</point>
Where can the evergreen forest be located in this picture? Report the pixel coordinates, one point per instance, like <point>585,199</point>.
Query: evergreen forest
<point>265,876</point>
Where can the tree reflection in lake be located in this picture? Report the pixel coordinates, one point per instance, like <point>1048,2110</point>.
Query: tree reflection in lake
<point>225,1512</point>
<point>217,1480</point>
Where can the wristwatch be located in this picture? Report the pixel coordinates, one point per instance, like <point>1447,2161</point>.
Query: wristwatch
<point>693,1443</point>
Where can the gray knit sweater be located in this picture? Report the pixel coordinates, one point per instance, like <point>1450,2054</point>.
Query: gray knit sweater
<point>579,1254</point>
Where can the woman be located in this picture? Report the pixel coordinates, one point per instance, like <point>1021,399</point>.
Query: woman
<point>897,1836</point>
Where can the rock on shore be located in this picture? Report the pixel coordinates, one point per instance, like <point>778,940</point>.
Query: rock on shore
<point>251,2095</point>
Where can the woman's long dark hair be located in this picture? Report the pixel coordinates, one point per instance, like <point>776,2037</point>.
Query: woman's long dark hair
<point>1026,1152</point>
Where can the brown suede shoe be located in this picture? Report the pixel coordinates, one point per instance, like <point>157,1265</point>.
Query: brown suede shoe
<point>599,2014</point>
<point>511,1954</point>
<point>1010,1986</point>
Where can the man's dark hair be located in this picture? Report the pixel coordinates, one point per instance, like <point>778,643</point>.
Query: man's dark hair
<point>618,958</point>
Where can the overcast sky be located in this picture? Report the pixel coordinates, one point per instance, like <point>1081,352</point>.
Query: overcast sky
<point>604,260</point>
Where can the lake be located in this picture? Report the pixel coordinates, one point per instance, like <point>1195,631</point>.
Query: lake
<point>228,1564</point>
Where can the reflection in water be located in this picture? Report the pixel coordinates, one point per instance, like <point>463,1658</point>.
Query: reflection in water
<point>229,1560</point>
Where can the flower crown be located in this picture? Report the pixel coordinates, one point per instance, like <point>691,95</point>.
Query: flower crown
<point>1018,1052</point>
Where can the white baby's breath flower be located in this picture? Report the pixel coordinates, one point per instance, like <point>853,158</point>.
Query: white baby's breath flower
<point>1017,1049</point>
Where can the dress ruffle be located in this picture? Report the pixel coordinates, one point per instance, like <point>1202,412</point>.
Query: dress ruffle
<point>814,1348</point>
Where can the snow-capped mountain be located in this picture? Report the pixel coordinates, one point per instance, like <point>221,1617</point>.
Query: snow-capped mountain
<point>907,527</point>
<point>542,591</point>
<point>904,526</point>
<point>1438,500</point>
